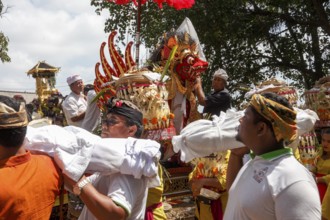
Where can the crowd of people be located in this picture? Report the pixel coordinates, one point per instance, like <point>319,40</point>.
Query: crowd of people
<point>271,184</point>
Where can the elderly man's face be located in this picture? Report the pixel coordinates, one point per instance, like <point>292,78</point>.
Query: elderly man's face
<point>114,126</point>
<point>77,87</point>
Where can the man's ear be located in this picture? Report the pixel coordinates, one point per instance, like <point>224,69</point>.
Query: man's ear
<point>262,128</point>
<point>132,130</point>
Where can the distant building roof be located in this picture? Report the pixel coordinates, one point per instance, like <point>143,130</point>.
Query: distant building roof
<point>43,69</point>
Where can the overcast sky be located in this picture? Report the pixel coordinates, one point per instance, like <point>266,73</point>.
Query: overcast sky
<point>64,33</point>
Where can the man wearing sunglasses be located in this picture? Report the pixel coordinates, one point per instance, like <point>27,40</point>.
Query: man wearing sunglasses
<point>115,196</point>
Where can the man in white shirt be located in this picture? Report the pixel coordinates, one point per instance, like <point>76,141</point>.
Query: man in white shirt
<point>93,114</point>
<point>273,184</point>
<point>75,104</point>
<point>115,196</point>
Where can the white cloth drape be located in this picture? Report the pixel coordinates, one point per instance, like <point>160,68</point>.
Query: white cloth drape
<point>203,137</point>
<point>77,151</point>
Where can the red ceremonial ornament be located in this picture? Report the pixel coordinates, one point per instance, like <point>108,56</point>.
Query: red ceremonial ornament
<point>215,170</point>
<point>177,4</point>
<point>154,121</point>
<point>118,104</point>
<point>200,165</point>
<point>145,121</point>
<point>199,176</point>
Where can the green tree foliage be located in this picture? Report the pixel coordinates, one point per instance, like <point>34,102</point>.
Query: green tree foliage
<point>3,41</point>
<point>252,40</point>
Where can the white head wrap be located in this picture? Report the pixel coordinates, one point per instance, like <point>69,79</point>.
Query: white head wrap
<point>221,73</point>
<point>72,79</point>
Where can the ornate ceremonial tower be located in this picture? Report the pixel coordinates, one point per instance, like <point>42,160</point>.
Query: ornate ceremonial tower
<point>45,79</point>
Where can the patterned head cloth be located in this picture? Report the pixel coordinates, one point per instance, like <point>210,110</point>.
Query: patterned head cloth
<point>125,108</point>
<point>9,118</point>
<point>281,117</point>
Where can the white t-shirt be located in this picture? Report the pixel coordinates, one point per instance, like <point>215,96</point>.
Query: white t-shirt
<point>125,191</point>
<point>74,105</point>
<point>273,188</point>
<point>93,113</point>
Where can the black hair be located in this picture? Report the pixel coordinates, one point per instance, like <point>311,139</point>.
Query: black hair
<point>29,110</point>
<point>139,127</point>
<point>87,88</point>
<point>325,131</point>
<point>12,137</point>
<point>129,111</point>
<point>277,98</point>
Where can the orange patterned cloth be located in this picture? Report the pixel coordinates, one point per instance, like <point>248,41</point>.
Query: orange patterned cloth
<point>280,117</point>
<point>28,187</point>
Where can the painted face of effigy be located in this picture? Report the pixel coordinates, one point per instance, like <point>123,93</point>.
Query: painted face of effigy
<point>186,61</point>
